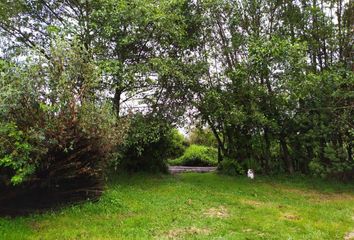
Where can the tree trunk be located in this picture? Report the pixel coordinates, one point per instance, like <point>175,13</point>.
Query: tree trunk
<point>350,148</point>
<point>220,158</point>
<point>221,148</point>
<point>116,101</point>
<point>267,150</point>
<point>285,152</point>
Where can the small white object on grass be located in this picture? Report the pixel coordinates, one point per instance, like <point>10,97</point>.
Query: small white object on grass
<point>250,174</point>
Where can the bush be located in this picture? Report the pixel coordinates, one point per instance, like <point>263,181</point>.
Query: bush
<point>15,154</point>
<point>197,155</point>
<point>56,136</point>
<point>149,143</point>
<point>337,164</point>
<point>231,167</point>
<point>177,144</point>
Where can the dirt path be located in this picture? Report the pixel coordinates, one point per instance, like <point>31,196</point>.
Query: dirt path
<point>180,169</point>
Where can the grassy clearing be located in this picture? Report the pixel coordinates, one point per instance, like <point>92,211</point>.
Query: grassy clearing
<point>199,206</point>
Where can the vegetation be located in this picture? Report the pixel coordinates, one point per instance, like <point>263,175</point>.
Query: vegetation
<point>199,206</point>
<point>276,90</point>
<point>52,132</point>
<point>92,86</point>
<point>149,143</point>
<point>197,155</point>
<point>203,137</point>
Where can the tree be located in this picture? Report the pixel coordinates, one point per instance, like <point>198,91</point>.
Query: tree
<point>260,57</point>
<point>126,38</point>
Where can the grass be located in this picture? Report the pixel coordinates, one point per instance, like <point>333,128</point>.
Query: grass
<point>199,206</point>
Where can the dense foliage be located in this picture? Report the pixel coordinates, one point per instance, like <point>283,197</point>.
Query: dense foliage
<point>275,84</point>
<point>200,136</point>
<point>150,142</point>
<point>56,135</point>
<point>197,155</point>
<point>272,81</point>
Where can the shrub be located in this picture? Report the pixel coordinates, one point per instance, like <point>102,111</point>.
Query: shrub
<point>177,144</point>
<point>337,164</point>
<point>56,136</point>
<point>149,143</point>
<point>15,153</point>
<point>197,155</point>
<point>230,167</point>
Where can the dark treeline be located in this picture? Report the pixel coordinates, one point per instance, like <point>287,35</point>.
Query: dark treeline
<point>87,81</point>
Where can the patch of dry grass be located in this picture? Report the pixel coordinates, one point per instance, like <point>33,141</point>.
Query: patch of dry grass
<point>218,212</point>
<point>180,233</point>
<point>253,203</point>
<point>290,216</point>
<point>349,236</point>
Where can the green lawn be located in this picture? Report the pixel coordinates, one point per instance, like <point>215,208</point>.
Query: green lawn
<point>199,206</point>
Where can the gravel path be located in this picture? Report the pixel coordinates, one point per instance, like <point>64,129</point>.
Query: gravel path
<point>180,169</point>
